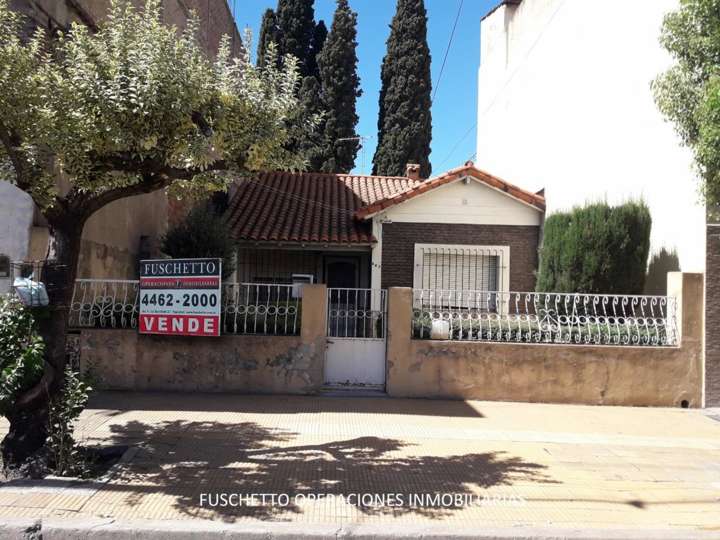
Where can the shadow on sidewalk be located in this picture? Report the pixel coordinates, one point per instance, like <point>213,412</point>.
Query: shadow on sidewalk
<point>188,459</point>
<point>276,404</point>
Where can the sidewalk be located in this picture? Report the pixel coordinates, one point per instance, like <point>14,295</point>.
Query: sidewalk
<point>529,467</point>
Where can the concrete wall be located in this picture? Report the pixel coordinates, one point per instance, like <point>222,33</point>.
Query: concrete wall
<point>16,213</point>
<point>597,375</point>
<point>565,103</point>
<point>123,359</point>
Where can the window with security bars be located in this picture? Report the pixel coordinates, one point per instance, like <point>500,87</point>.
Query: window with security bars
<point>469,268</point>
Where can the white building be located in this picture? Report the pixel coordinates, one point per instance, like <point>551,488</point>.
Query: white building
<point>565,104</point>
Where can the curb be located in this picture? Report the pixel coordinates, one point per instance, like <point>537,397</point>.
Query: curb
<point>110,529</point>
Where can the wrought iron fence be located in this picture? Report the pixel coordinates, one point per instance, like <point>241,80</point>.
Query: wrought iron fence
<point>527,317</point>
<point>247,308</point>
<point>357,313</point>
<point>261,308</point>
<point>104,303</point>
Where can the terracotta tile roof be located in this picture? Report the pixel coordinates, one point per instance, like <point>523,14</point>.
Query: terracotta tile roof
<point>308,207</point>
<point>533,199</point>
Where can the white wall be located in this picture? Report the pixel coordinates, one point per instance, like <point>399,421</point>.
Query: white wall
<point>16,213</point>
<point>565,103</point>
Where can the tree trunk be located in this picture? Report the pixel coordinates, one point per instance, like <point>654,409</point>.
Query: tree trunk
<point>29,415</point>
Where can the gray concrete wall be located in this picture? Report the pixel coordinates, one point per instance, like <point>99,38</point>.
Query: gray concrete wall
<point>16,213</point>
<point>595,375</point>
<point>124,360</point>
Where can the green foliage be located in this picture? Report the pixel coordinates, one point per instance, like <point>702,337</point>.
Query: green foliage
<point>661,263</point>
<point>136,106</point>
<point>21,352</point>
<point>340,89</point>
<point>268,35</point>
<point>404,122</point>
<point>318,42</point>
<point>688,93</point>
<point>296,27</point>
<point>203,233</point>
<point>596,249</point>
<point>65,457</point>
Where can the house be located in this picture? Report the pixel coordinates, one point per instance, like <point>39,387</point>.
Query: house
<point>117,236</point>
<point>464,229</point>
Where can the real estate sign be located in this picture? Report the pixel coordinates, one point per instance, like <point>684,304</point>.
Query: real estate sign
<point>180,297</point>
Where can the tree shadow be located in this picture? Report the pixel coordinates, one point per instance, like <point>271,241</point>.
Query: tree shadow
<point>195,462</point>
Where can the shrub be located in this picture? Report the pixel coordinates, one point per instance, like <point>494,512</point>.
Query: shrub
<point>21,352</point>
<point>203,233</point>
<point>596,249</point>
<point>65,456</point>
<point>661,263</point>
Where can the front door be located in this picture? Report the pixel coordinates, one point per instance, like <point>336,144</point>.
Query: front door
<point>342,272</point>
<point>355,356</point>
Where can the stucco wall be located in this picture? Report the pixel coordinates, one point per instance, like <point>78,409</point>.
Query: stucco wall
<point>595,375</point>
<point>124,360</point>
<point>565,103</point>
<point>16,212</point>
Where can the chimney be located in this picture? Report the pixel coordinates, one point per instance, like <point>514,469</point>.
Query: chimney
<point>412,171</point>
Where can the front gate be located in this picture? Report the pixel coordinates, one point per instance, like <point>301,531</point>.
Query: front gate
<point>356,331</point>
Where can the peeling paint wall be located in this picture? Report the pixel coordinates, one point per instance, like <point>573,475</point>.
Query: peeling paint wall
<point>126,360</point>
<point>594,375</point>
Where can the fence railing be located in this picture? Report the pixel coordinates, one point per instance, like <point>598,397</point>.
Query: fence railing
<point>357,313</point>
<point>247,308</point>
<point>261,308</point>
<point>528,317</point>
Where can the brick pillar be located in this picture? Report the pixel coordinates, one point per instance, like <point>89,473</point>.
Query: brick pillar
<point>398,333</point>
<point>712,316</point>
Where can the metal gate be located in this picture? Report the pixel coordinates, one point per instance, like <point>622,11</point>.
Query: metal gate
<point>356,330</point>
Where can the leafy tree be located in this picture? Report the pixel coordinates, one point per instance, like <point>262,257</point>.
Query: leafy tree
<point>132,108</point>
<point>596,249</point>
<point>318,42</point>
<point>340,89</point>
<point>404,122</point>
<point>689,92</point>
<point>296,26</point>
<point>661,263</point>
<point>268,34</point>
<point>203,233</point>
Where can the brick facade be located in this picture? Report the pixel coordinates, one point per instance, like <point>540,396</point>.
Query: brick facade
<point>712,317</point>
<point>399,239</point>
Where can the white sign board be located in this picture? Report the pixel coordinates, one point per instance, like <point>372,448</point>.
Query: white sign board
<point>180,297</point>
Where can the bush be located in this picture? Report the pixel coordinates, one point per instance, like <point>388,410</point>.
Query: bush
<point>21,352</point>
<point>661,263</point>
<point>65,456</point>
<point>596,249</point>
<point>203,233</point>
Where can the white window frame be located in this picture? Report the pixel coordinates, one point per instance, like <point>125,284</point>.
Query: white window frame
<point>503,251</point>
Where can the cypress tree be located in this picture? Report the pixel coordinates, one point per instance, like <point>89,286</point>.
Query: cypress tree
<point>404,122</point>
<point>311,144</point>
<point>340,89</point>
<point>268,34</point>
<point>596,249</point>
<point>296,25</point>
<point>316,47</point>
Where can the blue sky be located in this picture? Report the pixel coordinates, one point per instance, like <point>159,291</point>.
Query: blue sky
<point>455,108</point>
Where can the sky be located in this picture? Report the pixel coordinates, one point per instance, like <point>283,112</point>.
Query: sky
<point>454,110</point>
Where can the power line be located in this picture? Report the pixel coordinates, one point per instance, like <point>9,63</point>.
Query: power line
<point>447,51</point>
<point>507,81</point>
<point>457,144</point>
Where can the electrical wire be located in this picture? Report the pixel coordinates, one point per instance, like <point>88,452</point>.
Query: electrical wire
<point>447,51</point>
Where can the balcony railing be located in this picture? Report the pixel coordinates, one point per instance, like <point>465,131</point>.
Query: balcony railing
<point>247,308</point>
<point>528,317</point>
